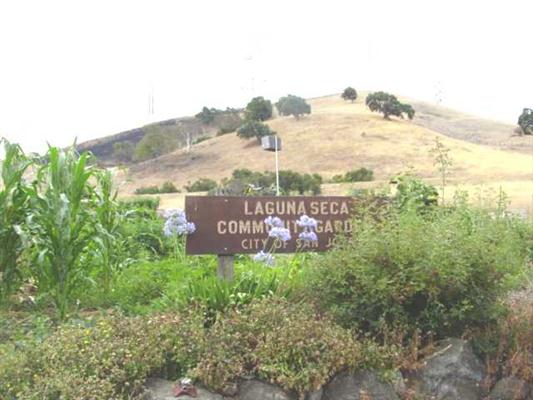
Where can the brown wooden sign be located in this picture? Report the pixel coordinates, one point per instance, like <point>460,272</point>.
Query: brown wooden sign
<point>234,225</point>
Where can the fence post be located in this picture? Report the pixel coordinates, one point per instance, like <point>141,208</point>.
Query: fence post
<point>225,267</point>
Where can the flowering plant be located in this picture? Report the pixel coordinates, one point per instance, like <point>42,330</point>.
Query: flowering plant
<point>177,226</point>
<point>280,234</point>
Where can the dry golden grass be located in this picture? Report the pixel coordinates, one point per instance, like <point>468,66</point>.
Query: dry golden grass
<point>339,136</point>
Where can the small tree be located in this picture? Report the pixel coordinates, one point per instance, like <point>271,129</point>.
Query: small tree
<point>124,151</point>
<point>525,121</point>
<point>254,129</point>
<point>388,105</point>
<point>293,105</point>
<point>154,144</point>
<point>258,109</point>
<point>349,94</point>
<point>207,115</point>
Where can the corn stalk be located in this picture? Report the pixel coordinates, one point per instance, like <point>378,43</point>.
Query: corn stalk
<point>13,204</point>
<point>62,223</point>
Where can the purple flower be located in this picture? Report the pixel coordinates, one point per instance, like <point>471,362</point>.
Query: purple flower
<point>308,236</point>
<point>274,222</point>
<point>177,224</point>
<point>307,222</point>
<point>282,234</point>
<point>267,258</point>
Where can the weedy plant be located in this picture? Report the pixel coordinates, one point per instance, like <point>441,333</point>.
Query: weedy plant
<point>13,208</point>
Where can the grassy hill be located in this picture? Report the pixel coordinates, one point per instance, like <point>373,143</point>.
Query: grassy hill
<point>339,136</point>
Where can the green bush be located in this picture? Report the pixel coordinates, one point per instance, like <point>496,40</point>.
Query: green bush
<point>388,105</point>
<point>356,175</point>
<point>349,94</point>
<point>149,203</point>
<point>154,144</point>
<point>254,129</point>
<point>166,187</point>
<point>525,121</point>
<point>147,190</point>
<point>441,271</point>
<point>107,359</point>
<point>293,105</point>
<point>246,182</point>
<point>258,109</point>
<point>201,185</point>
<point>413,192</point>
<point>284,343</point>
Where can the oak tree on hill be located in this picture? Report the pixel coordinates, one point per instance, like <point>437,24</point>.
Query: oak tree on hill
<point>254,129</point>
<point>525,121</point>
<point>154,144</point>
<point>388,105</point>
<point>293,105</point>
<point>258,109</point>
<point>349,94</point>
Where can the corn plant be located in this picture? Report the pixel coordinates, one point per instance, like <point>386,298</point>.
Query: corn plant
<point>13,204</point>
<point>62,223</point>
<point>110,245</point>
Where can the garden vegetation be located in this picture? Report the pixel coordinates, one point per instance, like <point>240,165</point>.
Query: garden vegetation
<point>96,298</point>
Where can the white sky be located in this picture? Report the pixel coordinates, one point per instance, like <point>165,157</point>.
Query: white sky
<point>84,68</point>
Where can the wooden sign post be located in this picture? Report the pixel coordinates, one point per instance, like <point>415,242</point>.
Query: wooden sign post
<point>235,225</point>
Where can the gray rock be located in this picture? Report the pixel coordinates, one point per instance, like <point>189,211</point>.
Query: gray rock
<point>161,389</point>
<point>452,372</point>
<point>316,395</point>
<point>511,388</point>
<point>347,386</point>
<point>254,389</point>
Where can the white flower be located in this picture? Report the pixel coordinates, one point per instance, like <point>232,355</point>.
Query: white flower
<point>308,236</point>
<point>267,258</point>
<point>274,222</point>
<point>307,222</point>
<point>282,234</point>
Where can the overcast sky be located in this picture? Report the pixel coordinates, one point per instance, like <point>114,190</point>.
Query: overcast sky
<point>85,68</point>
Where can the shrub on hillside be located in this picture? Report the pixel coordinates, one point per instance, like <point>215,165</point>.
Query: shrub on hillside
<point>356,175</point>
<point>247,182</point>
<point>293,105</point>
<point>207,115</point>
<point>349,94</point>
<point>254,129</point>
<point>258,109</point>
<point>154,144</point>
<point>388,105</point>
<point>166,187</point>
<point>201,185</point>
<point>525,121</point>
<point>124,151</point>
<point>147,190</point>
<point>227,122</point>
<point>442,271</point>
